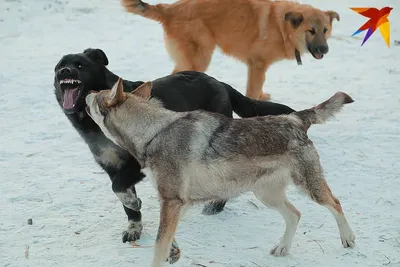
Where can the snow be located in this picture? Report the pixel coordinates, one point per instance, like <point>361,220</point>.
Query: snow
<point>48,174</point>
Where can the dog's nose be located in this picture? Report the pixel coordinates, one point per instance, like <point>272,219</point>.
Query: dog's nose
<point>322,49</point>
<point>65,71</point>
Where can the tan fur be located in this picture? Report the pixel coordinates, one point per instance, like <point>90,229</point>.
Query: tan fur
<point>256,32</point>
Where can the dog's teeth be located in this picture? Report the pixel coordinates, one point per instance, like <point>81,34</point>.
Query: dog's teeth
<point>71,81</point>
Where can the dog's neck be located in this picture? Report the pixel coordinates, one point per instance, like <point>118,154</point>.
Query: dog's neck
<point>136,123</point>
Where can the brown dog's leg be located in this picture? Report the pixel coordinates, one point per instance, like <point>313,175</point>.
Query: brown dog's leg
<point>169,219</point>
<point>255,79</point>
<point>189,54</point>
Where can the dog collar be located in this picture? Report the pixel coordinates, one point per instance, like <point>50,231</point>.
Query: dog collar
<point>298,58</point>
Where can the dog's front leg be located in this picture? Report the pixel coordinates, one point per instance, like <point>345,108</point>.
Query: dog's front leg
<point>129,198</point>
<point>123,185</point>
<point>132,205</point>
<point>255,79</point>
<point>170,213</point>
<point>134,228</point>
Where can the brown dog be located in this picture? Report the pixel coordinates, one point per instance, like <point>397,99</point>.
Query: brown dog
<point>257,32</point>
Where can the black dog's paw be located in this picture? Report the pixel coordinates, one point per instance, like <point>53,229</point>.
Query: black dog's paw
<point>133,232</point>
<point>174,254</point>
<point>214,207</point>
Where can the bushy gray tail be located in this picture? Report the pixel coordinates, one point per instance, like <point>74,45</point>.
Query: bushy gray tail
<point>154,12</point>
<point>321,113</point>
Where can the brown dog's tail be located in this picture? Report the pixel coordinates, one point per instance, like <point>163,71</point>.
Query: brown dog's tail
<point>154,12</point>
<point>321,113</point>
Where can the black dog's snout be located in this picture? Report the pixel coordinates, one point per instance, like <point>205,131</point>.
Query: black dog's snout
<point>65,71</point>
<point>322,49</point>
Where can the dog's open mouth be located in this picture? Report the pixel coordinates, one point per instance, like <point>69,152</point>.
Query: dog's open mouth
<point>317,56</point>
<point>314,53</point>
<point>71,91</point>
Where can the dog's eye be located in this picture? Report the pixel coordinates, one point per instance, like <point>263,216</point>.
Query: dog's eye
<point>79,65</point>
<point>312,31</point>
<point>325,30</point>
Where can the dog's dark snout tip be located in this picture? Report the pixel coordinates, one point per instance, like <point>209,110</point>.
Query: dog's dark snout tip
<point>322,49</point>
<point>65,71</point>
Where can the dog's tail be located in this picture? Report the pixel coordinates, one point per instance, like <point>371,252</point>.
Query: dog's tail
<point>321,113</point>
<point>246,107</point>
<point>154,12</point>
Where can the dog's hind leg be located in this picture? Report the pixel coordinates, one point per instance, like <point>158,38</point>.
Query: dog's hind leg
<point>189,53</point>
<point>170,214</point>
<point>311,180</point>
<point>275,198</point>
<point>320,192</point>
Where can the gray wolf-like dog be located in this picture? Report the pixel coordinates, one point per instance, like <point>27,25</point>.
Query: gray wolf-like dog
<point>201,156</point>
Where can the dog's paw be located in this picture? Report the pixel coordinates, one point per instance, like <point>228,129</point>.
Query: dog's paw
<point>348,239</point>
<point>280,250</point>
<point>265,97</point>
<point>174,254</point>
<point>214,207</point>
<point>133,232</point>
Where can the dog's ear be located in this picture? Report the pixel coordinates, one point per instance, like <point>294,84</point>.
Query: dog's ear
<point>143,91</point>
<point>117,94</point>
<point>295,18</point>
<point>332,15</point>
<point>97,55</point>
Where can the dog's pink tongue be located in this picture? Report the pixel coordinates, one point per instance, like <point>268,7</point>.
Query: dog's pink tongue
<point>70,97</point>
<point>318,56</point>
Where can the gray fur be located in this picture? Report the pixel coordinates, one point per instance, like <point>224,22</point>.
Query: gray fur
<point>200,156</point>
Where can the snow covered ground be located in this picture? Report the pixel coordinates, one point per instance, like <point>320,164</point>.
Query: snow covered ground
<point>48,174</point>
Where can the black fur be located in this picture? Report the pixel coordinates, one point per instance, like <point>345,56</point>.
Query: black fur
<point>184,91</point>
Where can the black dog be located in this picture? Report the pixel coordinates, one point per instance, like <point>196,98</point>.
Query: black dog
<point>77,74</point>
